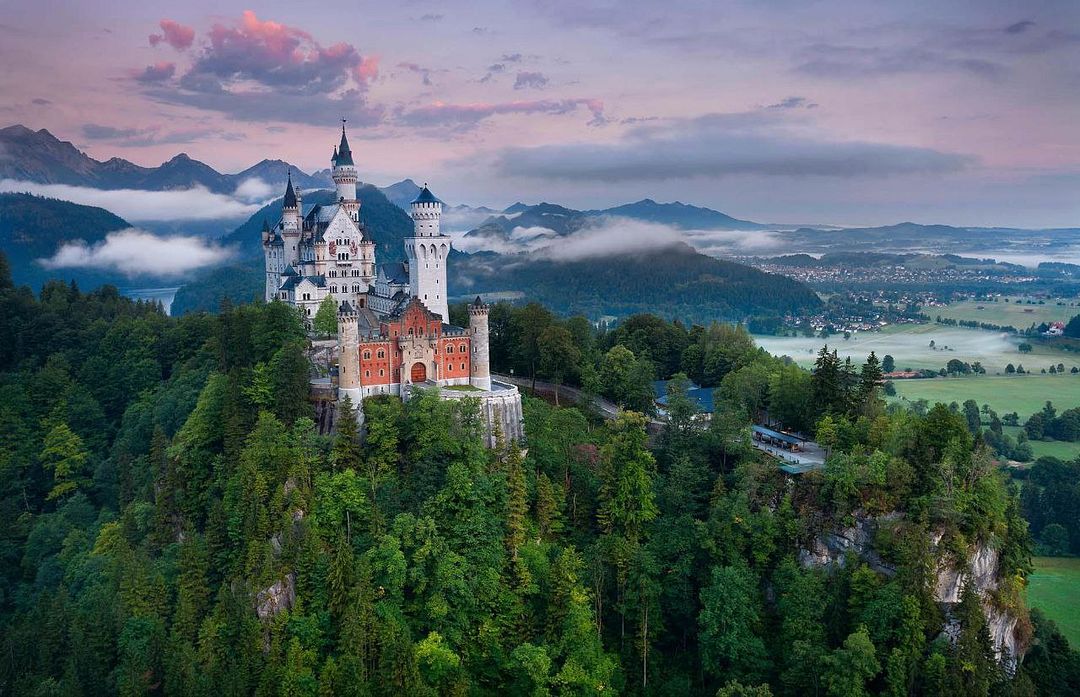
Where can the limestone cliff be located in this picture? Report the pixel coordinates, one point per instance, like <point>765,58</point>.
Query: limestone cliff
<point>980,566</point>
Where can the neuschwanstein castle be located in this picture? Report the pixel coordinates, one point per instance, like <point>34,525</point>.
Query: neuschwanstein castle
<point>393,321</point>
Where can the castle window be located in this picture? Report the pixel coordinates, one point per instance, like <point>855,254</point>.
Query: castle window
<point>367,373</point>
<point>450,348</point>
<point>381,354</point>
<point>367,355</point>
<point>463,366</point>
<point>381,372</point>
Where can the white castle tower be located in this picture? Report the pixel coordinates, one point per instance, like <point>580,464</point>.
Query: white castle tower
<point>479,372</point>
<point>427,251</point>
<point>344,176</point>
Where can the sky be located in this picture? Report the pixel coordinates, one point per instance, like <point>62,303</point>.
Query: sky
<point>853,112</point>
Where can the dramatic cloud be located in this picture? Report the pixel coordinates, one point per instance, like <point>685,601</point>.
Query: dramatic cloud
<point>526,79</point>
<point>139,205</point>
<point>158,72</point>
<point>135,252</point>
<point>720,145</point>
<point>468,115</point>
<point>264,70</point>
<point>175,34</point>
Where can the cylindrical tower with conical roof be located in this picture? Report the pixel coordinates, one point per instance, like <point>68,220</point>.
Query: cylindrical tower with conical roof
<point>479,369</point>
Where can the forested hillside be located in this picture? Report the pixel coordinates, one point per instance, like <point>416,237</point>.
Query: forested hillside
<point>171,523</point>
<point>34,227</point>
<point>675,281</point>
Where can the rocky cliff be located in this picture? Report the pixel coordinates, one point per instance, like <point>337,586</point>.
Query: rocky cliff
<point>979,566</point>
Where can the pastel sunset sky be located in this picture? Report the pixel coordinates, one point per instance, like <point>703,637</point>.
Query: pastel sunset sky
<point>797,111</point>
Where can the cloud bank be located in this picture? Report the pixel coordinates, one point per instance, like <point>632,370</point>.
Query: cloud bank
<point>135,252</point>
<point>139,205</point>
<point>719,145</point>
<point>607,235</point>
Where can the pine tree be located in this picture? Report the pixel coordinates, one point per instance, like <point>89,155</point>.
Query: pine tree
<point>548,508</point>
<point>65,457</point>
<point>346,451</point>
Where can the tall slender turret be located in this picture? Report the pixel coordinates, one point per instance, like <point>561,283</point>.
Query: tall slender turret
<point>344,175</point>
<point>479,370</point>
<point>348,353</point>
<point>290,223</point>
<point>427,251</point>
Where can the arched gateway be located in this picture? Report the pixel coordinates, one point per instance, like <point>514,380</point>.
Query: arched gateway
<point>418,372</point>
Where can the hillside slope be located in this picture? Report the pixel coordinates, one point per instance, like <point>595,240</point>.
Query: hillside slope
<point>33,227</point>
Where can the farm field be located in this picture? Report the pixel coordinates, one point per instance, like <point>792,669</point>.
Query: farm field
<point>909,345</point>
<point>1054,588</point>
<point>1014,312</point>
<point>1024,394</point>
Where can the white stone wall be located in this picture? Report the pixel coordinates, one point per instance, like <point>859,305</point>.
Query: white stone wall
<point>427,251</point>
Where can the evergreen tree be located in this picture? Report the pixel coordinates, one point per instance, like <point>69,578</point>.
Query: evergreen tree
<point>65,457</point>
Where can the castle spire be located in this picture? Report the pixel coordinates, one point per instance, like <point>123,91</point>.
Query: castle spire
<point>290,194</point>
<point>344,156</point>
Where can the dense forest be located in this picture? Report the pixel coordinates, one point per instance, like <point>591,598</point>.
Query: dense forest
<point>172,523</point>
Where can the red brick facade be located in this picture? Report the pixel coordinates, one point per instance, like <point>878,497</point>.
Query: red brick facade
<point>411,347</point>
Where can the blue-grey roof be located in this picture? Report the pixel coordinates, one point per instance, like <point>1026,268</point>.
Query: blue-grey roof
<point>395,272</point>
<point>344,154</point>
<point>425,196</point>
<point>660,388</point>
<point>702,397</point>
<point>290,194</point>
<point>289,271</point>
<point>787,438</point>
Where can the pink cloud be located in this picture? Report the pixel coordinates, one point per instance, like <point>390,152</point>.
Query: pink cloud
<point>278,55</point>
<point>175,34</point>
<point>158,72</point>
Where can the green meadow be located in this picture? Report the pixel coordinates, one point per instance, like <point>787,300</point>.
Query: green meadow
<point>1017,312</point>
<point>1054,588</point>
<point>1024,394</point>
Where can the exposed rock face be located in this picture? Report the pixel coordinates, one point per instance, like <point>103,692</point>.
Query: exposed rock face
<point>830,549</point>
<point>982,573</point>
<point>280,596</point>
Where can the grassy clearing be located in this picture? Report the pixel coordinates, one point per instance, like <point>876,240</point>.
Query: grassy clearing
<point>463,388</point>
<point>1048,448</point>
<point>1054,589</point>
<point>1014,312</point>
<point>1024,394</point>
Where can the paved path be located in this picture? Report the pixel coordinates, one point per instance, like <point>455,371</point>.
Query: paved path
<point>566,393</point>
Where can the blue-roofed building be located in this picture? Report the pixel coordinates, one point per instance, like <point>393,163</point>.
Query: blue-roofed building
<point>701,396</point>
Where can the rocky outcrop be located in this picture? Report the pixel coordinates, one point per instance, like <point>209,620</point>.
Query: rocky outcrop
<point>832,547</point>
<point>982,571</point>
<point>280,596</point>
<point>979,567</point>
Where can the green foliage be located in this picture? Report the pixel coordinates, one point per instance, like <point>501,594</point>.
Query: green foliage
<point>204,538</point>
<point>325,320</point>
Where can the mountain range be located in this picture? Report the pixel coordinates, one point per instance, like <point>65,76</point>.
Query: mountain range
<point>39,156</point>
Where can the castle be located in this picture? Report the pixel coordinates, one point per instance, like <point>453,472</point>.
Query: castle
<point>393,320</point>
